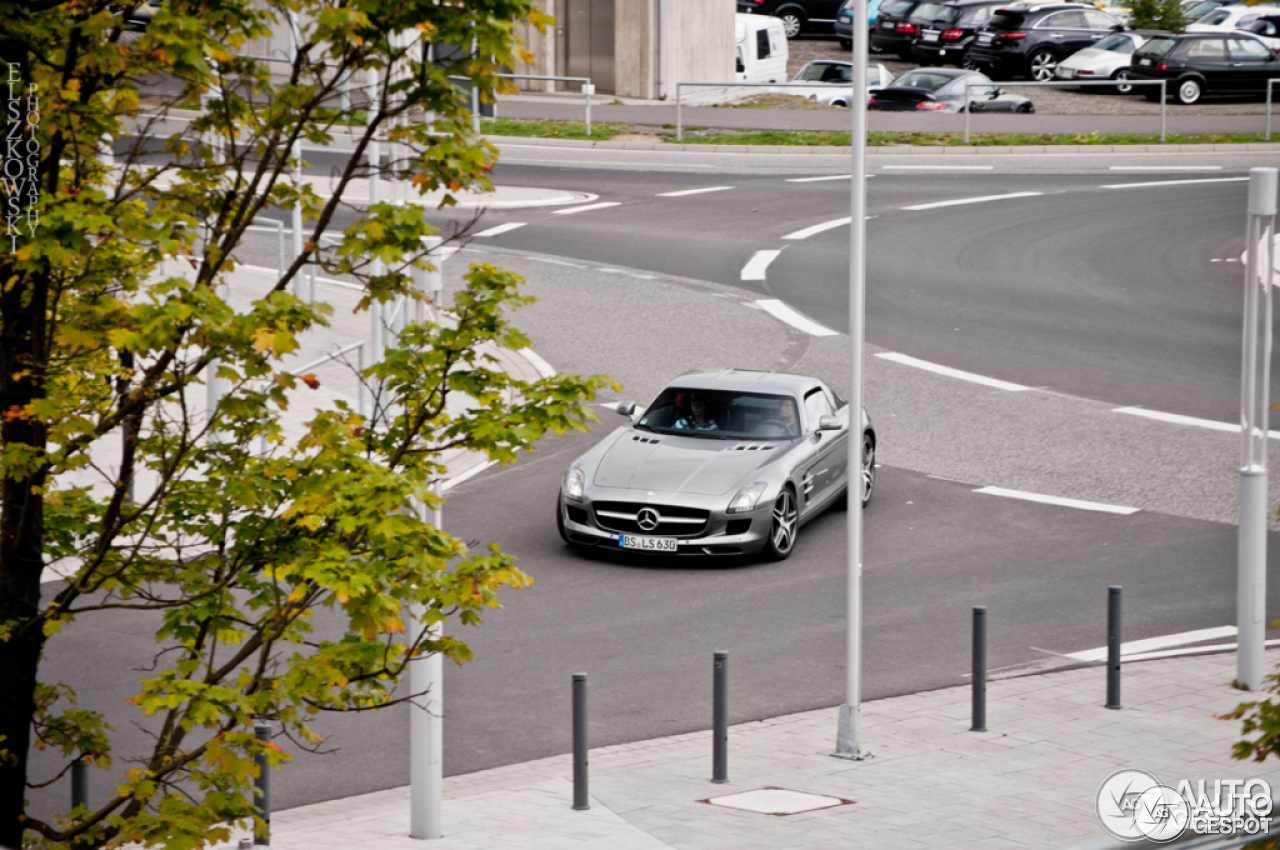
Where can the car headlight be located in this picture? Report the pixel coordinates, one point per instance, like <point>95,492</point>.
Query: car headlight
<point>747,498</point>
<point>573,483</point>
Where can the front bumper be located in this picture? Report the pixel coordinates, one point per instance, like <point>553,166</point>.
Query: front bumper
<point>722,534</point>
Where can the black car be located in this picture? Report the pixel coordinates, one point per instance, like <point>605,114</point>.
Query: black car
<point>797,16</point>
<point>1030,40</point>
<point>1196,64</point>
<point>894,31</point>
<point>945,30</point>
<point>943,90</point>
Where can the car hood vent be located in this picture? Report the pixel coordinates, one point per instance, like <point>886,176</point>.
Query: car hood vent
<point>752,447</point>
<point>642,439</point>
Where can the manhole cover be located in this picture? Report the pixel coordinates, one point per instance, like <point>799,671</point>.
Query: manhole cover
<point>776,801</point>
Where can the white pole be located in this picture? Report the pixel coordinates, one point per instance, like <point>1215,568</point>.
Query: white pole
<point>849,732</point>
<point>1255,373</point>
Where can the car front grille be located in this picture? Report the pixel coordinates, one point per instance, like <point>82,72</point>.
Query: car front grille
<point>674,521</point>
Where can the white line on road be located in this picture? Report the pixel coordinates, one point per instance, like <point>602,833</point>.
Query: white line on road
<point>914,362</point>
<point>820,179</point>
<point>938,167</point>
<point>501,228</point>
<point>1056,500</point>
<point>784,313</point>
<point>684,192</point>
<point>1179,419</point>
<point>1166,168</point>
<point>543,367</point>
<point>1151,644</point>
<point>819,228</point>
<point>1175,182</point>
<point>980,200</point>
<point>759,262</point>
<point>1190,650</point>
<point>588,207</point>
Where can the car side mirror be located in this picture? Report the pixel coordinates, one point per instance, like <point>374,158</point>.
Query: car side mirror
<point>830,423</point>
<point>1118,28</point>
<point>626,408</point>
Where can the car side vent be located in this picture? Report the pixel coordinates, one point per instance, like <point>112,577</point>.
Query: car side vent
<point>751,447</point>
<point>641,439</point>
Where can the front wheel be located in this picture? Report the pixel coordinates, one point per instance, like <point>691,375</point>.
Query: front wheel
<point>868,467</point>
<point>1042,65</point>
<point>1122,86</point>
<point>1189,91</point>
<point>792,23</point>
<point>783,528</point>
<point>1025,108</point>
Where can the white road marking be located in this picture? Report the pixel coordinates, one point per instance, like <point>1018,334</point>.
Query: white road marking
<point>1056,500</point>
<point>938,167</point>
<point>587,208</point>
<point>501,228</point>
<point>1179,419</point>
<point>819,228</point>
<point>1175,182</point>
<point>907,360</point>
<point>820,179</point>
<point>759,262</point>
<point>543,367</point>
<point>684,192</point>
<point>1166,168</point>
<point>980,200</point>
<point>470,473</point>
<point>1151,644</point>
<point>1190,650</point>
<point>784,313</point>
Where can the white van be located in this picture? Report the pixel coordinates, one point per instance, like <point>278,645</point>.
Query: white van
<point>761,49</point>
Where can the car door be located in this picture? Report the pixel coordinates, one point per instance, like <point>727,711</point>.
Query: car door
<point>1251,65</point>
<point>823,11</point>
<point>1209,57</point>
<point>1067,31</point>
<point>827,468</point>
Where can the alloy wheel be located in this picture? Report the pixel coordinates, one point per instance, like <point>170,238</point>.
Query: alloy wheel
<point>868,467</point>
<point>1043,66</point>
<point>791,24</point>
<point>782,532</point>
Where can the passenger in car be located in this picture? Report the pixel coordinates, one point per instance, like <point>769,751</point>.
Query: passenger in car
<point>699,418</point>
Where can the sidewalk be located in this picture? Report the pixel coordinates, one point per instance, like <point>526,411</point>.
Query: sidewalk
<point>1031,781</point>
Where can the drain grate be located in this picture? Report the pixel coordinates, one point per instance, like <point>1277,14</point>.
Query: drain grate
<point>776,801</point>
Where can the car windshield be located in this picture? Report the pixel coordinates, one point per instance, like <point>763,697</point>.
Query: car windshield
<point>722,414</point>
<point>1158,46</point>
<point>825,72</point>
<point>1116,42</point>
<point>897,8</point>
<point>1214,18</point>
<point>923,80</point>
<point>939,12</point>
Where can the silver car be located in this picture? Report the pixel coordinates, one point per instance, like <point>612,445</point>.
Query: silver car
<point>1108,59</point>
<point>721,463</point>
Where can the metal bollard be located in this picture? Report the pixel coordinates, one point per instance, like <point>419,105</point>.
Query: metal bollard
<point>1113,646</point>
<point>79,784</point>
<point>580,742</point>
<point>979,669</point>
<point>262,837</point>
<point>720,718</point>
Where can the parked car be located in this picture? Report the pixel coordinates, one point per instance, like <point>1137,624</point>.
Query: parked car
<point>1194,10</point>
<point>1267,28</point>
<point>797,16</point>
<point>1031,40</point>
<point>1236,16</point>
<point>943,90</point>
<point>721,463</point>
<point>760,48</point>
<point>1108,59</point>
<point>944,30</point>
<point>844,20</point>
<point>1198,64</point>
<point>137,16</point>
<point>894,31</point>
<point>834,81</point>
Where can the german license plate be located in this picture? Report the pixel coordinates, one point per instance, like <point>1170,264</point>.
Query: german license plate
<point>930,35</point>
<point>647,544</point>
<point>1144,61</point>
<point>985,38</point>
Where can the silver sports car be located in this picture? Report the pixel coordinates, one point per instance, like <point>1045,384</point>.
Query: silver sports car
<point>721,463</point>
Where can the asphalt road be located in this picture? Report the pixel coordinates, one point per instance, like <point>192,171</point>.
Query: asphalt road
<point>1102,297</point>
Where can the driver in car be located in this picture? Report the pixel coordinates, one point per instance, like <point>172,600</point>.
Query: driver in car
<point>787,416</point>
<point>699,418</point>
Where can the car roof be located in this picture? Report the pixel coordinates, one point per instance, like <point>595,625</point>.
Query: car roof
<point>746,379</point>
<point>945,72</point>
<point>1032,8</point>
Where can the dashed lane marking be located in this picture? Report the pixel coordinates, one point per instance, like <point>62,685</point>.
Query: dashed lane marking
<point>1192,421</point>
<point>938,369</point>
<point>588,208</point>
<point>1166,168</point>
<point>758,264</point>
<point>821,179</point>
<point>501,228</point>
<point>979,200</point>
<point>820,228</point>
<point>1079,504</point>
<point>683,192</point>
<point>937,167</point>
<point>783,313</point>
<point>1175,182</point>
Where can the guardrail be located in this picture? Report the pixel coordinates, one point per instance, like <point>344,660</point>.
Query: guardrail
<point>1072,84</point>
<point>679,86</point>
<point>588,89</point>
<point>1266,137</point>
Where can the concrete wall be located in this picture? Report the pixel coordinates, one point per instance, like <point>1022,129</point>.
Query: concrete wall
<point>697,42</point>
<point>543,46</point>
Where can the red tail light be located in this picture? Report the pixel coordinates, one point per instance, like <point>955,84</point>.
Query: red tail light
<point>1013,36</point>
<point>1163,67</point>
<point>907,29</point>
<point>952,35</point>
<point>929,104</point>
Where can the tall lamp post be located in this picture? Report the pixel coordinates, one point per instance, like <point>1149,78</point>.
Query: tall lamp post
<point>849,733</point>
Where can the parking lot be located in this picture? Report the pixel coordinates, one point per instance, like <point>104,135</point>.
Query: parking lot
<point>1096,100</point>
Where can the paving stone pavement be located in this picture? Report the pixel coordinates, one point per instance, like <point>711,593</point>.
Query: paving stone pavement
<point>1030,781</point>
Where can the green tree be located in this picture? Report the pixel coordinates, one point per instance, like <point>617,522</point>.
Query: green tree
<point>1157,15</point>
<point>237,547</point>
